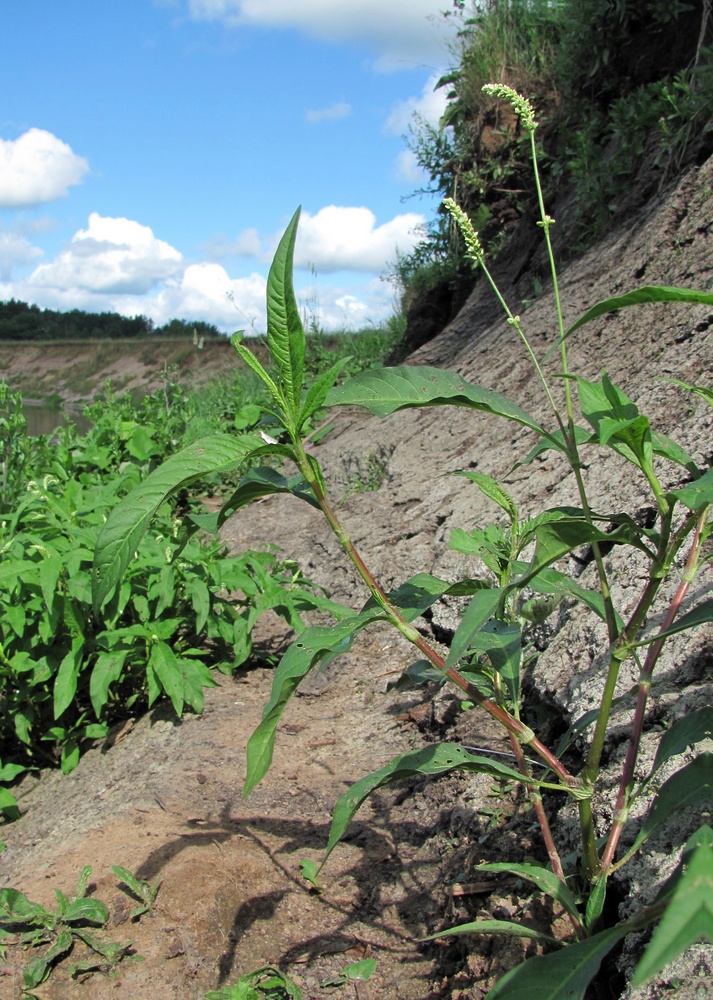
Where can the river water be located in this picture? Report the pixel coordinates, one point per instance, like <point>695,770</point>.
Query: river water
<point>43,420</point>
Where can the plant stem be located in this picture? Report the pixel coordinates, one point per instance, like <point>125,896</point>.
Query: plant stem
<point>521,732</point>
<point>621,809</point>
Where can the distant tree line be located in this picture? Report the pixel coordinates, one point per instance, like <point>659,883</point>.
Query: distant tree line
<point>21,321</point>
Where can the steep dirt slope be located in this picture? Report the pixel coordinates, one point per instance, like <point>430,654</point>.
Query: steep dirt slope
<point>164,799</point>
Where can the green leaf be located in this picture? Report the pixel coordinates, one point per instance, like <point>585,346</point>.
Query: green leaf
<point>252,362</point>
<point>86,910</point>
<point>263,482</point>
<point>649,293</point>
<point>686,732</point>
<point>385,390</point>
<point>310,649</point>
<point>318,391</point>
<point>163,661</point>
<point>436,759</point>
<point>582,436</point>
<point>688,917</point>
<point>505,927</point>
<point>481,608</point>
<point>698,616</point>
<point>309,870</point>
<point>692,785</point>
<point>563,975</point>
<point>69,757</point>
<point>65,685</point>
<point>128,521</point>
<point>557,538</point>
<point>595,903</point>
<point>551,581</point>
<point>502,643</point>
<point>491,489</point>
<point>285,333</point>
<point>543,878</point>
<point>698,493</point>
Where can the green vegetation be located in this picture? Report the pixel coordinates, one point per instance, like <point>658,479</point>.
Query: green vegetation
<point>488,650</point>
<point>77,921</point>
<point>615,85</point>
<point>68,673</point>
<point>20,321</point>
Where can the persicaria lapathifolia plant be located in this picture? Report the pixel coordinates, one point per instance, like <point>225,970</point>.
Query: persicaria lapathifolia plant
<point>486,655</point>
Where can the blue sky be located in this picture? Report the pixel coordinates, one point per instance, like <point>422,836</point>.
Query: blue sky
<point>152,151</point>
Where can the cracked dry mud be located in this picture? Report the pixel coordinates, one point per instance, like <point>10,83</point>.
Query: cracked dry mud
<point>164,799</point>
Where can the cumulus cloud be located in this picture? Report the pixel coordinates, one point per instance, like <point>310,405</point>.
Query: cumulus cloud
<point>331,114</point>
<point>120,265</point>
<point>429,106</point>
<point>248,244</point>
<point>110,256</point>
<point>402,32</point>
<point>408,168</point>
<point>348,239</point>
<point>336,238</point>
<point>16,250</point>
<point>36,168</point>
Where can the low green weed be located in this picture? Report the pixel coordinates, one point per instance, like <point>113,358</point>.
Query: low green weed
<point>488,652</point>
<point>265,983</point>
<point>357,972</point>
<point>185,606</point>
<point>79,920</point>
<point>138,889</point>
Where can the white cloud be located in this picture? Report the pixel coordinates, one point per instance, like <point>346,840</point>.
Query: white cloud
<point>37,167</point>
<point>15,251</point>
<point>429,106</point>
<point>402,32</point>
<point>336,238</point>
<point>347,307</point>
<point>348,239</point>
<point>110,256</point>
<point>408,168</point>
<point>331,114</point>
<point>119,265</point>
<point>247,244</point>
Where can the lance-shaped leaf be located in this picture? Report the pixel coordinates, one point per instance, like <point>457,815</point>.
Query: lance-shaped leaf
<point>504,927</point>
<point>440,758</point>
<point>698,616</point>
<point>479,611</point>
<point>688,917</point>
<point>687,732</point>
<point>246,355</point>
<point>257,483</point>
<point>312,647</point>
<point>130,518</point>
<point>543,878</point>
<point>317,392</point>
<point>551,581</point>
<point>320,645</point>
<point>285,333</point>
<point>697,493</point>
<point>385,390</point>
<point>692,785</point>
<point>641,296</point>
<point>491,489</point>
<point>502,644</point>
<point>556,538</point>
<point>563,975</point>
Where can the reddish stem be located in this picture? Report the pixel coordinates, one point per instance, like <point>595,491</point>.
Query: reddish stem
<point>647,669</point>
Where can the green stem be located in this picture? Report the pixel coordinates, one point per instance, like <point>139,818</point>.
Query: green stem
<point>621,807</point>
<point>521,732</point>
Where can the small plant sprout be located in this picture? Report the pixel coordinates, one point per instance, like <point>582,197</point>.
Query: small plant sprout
<point>77,920</point>
<point>138,889</point>
<point>487,653</point>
